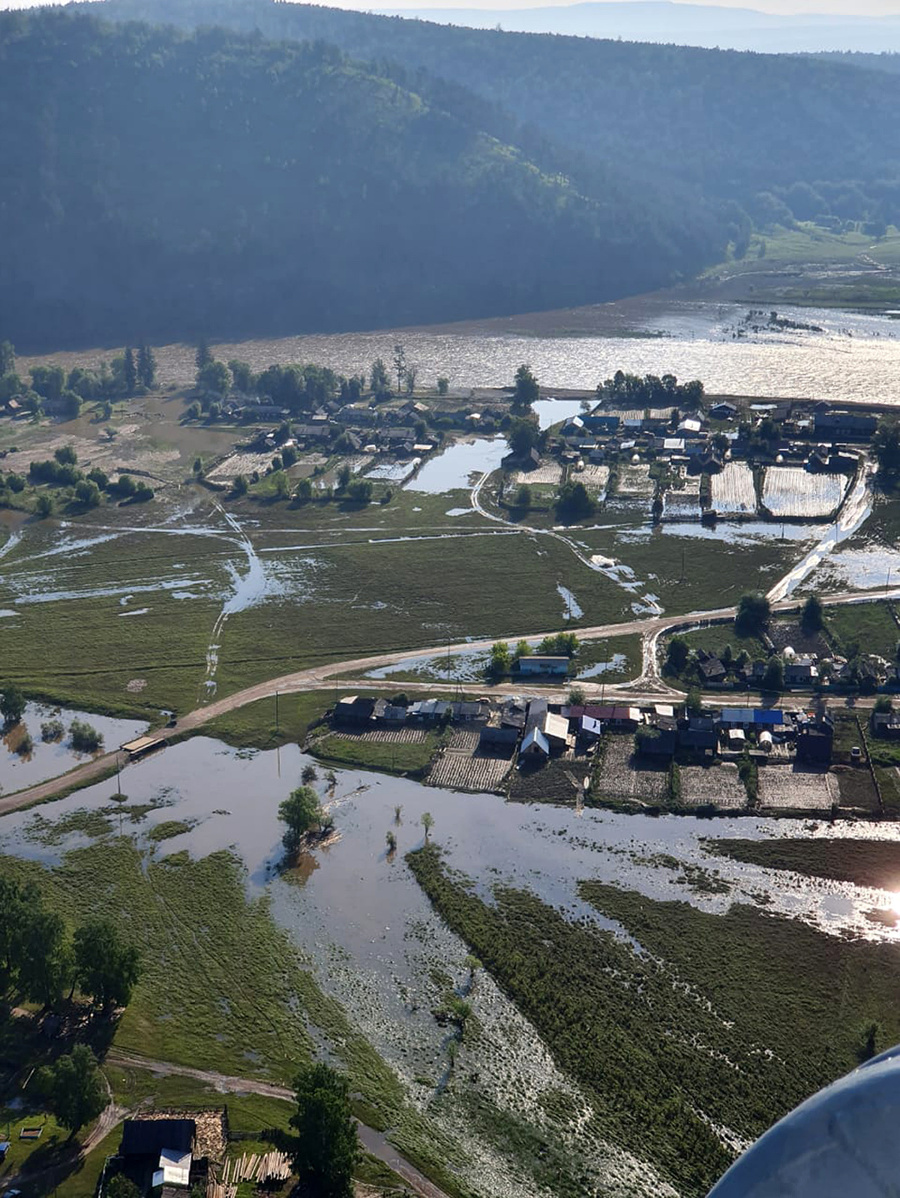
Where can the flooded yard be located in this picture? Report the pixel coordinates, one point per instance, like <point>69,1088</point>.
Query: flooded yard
<point>453,469</point>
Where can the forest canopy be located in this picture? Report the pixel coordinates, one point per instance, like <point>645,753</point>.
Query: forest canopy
<point>268,167</point>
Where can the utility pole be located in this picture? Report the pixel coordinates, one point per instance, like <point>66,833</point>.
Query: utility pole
<point>277,725</point>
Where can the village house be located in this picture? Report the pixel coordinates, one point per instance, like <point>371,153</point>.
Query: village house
<point>723,411</point>
<point>815,739</point>
<point>886,724</point>
<point>495,737</point>
<point>845,426</point>
<point>538,664</point>
<point>158,1153</point>
<point>801,671</point>
<point>352,709</point>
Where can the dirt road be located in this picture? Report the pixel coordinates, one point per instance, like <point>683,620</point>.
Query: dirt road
<point>646,688</point>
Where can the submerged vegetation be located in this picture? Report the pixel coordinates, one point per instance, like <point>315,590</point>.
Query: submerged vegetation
<point>727,1020</point>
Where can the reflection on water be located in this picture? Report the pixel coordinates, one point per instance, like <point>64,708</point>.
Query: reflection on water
<point>372,937</point>
<point>48,759</point>
<point>232,796</point>
<point>551,411</point>
<point>450,470</point>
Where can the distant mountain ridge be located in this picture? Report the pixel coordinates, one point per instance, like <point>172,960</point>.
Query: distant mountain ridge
<point>666,21</point>
<point>251,167</point>
<point>171,184</point>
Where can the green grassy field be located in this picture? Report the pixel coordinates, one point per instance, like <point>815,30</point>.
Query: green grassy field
<point>222,986</point>
<point>254,726</point>
<point>353,753</point>
<point>869,627</point>
<point>810,243</point>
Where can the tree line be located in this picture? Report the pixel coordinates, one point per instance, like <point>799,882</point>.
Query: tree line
<point>130,373</point>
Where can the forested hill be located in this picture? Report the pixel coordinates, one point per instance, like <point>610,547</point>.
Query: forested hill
<point>167,185</point>
<point>723,123</point>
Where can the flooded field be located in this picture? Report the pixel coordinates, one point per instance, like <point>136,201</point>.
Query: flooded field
<point>25,762</point>
<point>452,470</point>
<point>376,945</point>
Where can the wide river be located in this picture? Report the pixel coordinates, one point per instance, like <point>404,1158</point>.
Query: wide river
<point>854,356</point>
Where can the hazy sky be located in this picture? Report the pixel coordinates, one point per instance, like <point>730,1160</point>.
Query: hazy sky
<point>785,7</point>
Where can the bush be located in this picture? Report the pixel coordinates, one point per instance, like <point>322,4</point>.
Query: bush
<point>84,737</point>
<point>677,654</point>
<point>360,491</point>
<point>574,502</point>
<point>52,730</point>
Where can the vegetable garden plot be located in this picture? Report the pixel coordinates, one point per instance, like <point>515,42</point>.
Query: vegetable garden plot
<point>635,482</point>
<point>241,463</point>
<point>386,736</point>
<point>463,766</point>
<point>683,499</point>
<point>732,490</point>
<point>617,776</point>
<point>797,788</point>
<point>792,491</point>
<point>715,784</point>
<point>549,474</point>
<point>594,478</point>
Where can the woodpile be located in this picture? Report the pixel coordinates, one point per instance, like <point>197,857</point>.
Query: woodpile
<point>249,1166</point>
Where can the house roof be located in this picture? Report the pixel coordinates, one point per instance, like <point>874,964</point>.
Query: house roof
<point>149,1137</point>
<point>752,715</point>
<point>555,726</point>
<point>536,737</point>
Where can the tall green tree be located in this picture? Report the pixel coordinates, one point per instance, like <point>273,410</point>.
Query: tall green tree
<point>812,617</point>
<point>106,967</point>
<point>214,378</point>
<point>45,966</point>
<point>400,366</point>
<point>523,435</point>
<point>146,366</point>
<point>241,375</point>
<point>18,903</point>
<point>378,378</point>
<point>12,704</point>
<point>7,358</point>
<point>48,381</point>
<point>886,446</point>
<point>526,390</point>
<point>73,1088</point>
<point>326,1148</point>
<point>773,678</point>
<point>302,812</point>
<point>202,355</point>
<point>129,371</point>
<point>753,613</point>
